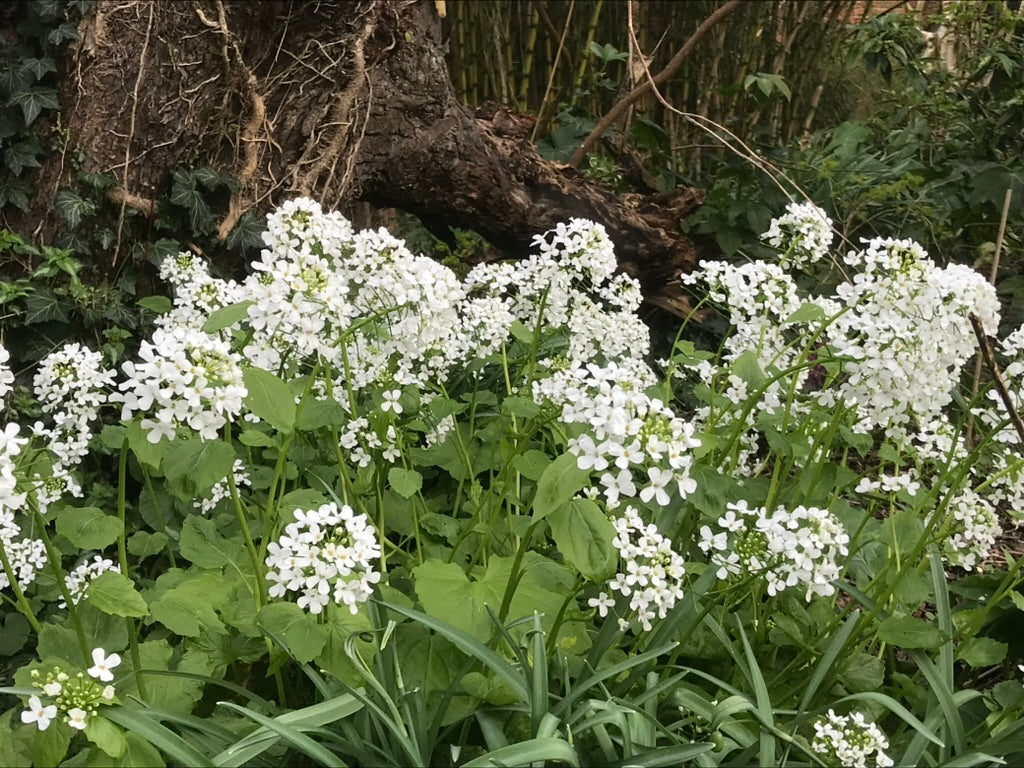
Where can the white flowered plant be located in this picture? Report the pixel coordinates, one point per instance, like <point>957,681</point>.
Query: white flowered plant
<point>328,554</point>
<point>850,741</point>
<point>77,695</point>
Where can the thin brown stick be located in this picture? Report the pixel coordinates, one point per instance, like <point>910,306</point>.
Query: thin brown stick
<point>551,74</point>
<point>993,273</point>
<point>623,104</point>
<point>997,377</point>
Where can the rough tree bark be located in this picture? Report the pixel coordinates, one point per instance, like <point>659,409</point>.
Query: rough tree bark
<point>342,101</point>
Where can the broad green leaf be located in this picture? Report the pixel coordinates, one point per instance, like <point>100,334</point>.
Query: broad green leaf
<point>88,527</point>
<point>531,464</point>
<point>523,407</point>
<point>115,595</point>
<point>50,746</point>
<point>73,207</point>
<point>910,632</point>
<point>186,609</point>
<point>58,641</point>
<point>255,439</point>
<point>144,544</point>
<point>270,398</point>
<point>303,498</point>
<point>447,594</point>
<point>13,633</point>
<point>747,368</point>
<point>302,633</point>
<point>33,101</point>
<point>862,672</point>
<point>405,482</point>
<point>315,414</point>
<point>148,453</point>
<point>203,545</point>
<point>227,316</point>
<point>193,467</point>
<point>14,742</point>
<point>158,305</point>
<point>982,651</point>
<point>808,312</point>
<point>584,536</point>
<point>562,480</point>
<point>105,735</point>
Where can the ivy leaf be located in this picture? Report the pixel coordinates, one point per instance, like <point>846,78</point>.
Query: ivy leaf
<point>115,595</point>
<point>248,232</point>
<point>33,101</point>
<point>185,194</point>
<point>14,192</point>
<point>73,208</point>
<point>88,528</point>
<point>43,306</point>
<point>22,155</point>
<point>38,68</point>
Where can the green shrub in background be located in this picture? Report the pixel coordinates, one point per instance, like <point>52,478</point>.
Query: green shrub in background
<point>367,513</point>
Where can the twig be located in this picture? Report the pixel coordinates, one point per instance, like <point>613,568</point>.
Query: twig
<point>993,273</point>
<point>551,73</point>
<point>131,134</point>
<point>623,104</point>
<point>997,377</point>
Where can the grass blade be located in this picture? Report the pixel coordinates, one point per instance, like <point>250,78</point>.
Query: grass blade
<point>291,735</point>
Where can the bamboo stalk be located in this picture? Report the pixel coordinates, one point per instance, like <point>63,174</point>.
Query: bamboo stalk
<point>531,43</point>
<point>551,74</point>
<point>581,69</point>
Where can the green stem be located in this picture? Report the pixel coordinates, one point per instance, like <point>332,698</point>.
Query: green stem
<point>20,601</point>
<point>122,556</point>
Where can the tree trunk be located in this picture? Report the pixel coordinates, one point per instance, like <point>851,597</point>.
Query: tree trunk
<point>340,101</point>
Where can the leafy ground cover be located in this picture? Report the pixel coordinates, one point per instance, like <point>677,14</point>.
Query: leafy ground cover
<point>368,513</point>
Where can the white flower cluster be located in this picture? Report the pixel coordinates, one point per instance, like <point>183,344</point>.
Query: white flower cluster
<point>626,431</point>
<point>222,489</point>
<point>25,555</point>
<point>849,741</point>
<point>906,335</point>
<point>802,235</point>
<point>788,548</point>
<point>185,378</point>
<point>196,292</point>
<point>6,376</point>
<point>78,697</point>
<point>327,552</point>
<point>975,527</point>
<point>79,579</point>
<point>653,574</point>
<point>70,387</point>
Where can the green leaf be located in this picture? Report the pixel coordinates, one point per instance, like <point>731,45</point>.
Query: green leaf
<point>532,464</point>
<point>186,609</point>
<point>533,751</point>
<point>22,155</point>
<point>73,207</point>
<point>982,651</point>
<point>910,632</point>
<point>562,480</point>
<point>447,594</point>
<point>304,636</point>
<point>315,414</point>
<point>13,634</point>
<point>88,527</point>
<point>747,368</point>
<point>193,467</point>
<point>144,544</point>
<point>405,482</point>
<point>105,735</point>
<point>584,536</point>
<point>255,439</point>
<point>136,721</point>
<point>203,545</point>
<point>862,672</point>
<point>270,398</point>
<point>158,305</point>
<point>227,316</point>
<point>523,407</point>
<point>809,312</point>
<point>33,101</point>
<point>50,746</point>
<point>148,453</point>
<point>115,595</point>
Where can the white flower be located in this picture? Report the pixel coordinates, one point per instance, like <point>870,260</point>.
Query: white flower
<point>102,664</point>
<point>602,602</point>
<point>108,693</point>
<point>53,689</point>
<point>38,714</point>
<point>656,490</point>
<point>850,741</point>
<point>390,401</point>
<point>77,718</point>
